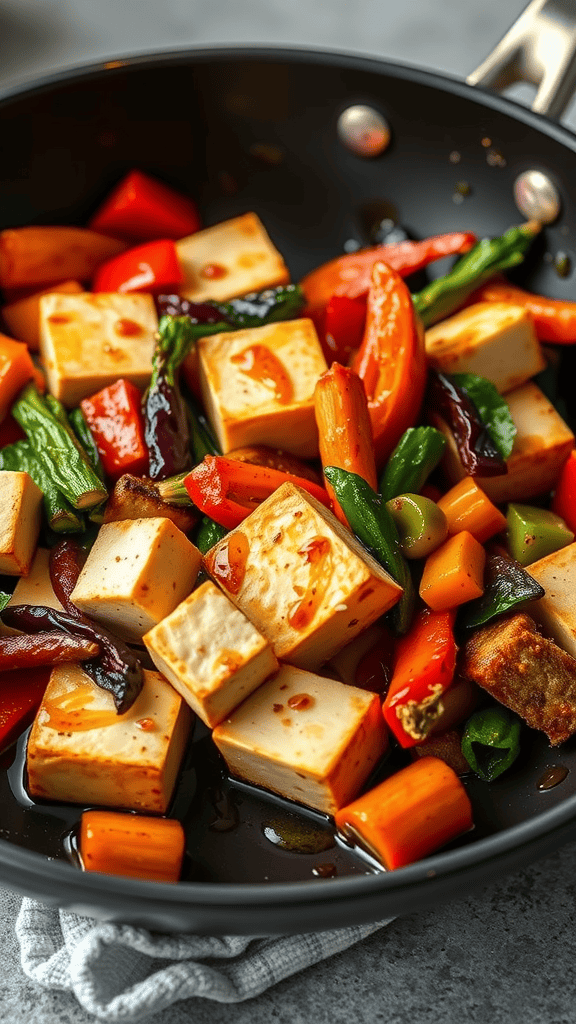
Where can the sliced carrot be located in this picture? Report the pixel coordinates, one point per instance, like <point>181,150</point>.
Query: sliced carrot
<point>453,574</point>
<point>410,814</point>
<point>344,427</point>
<point>16,368</point>
<point>132,845</point>
<point>467,507</point>
<point>41,256</point>
<point>22,317</point>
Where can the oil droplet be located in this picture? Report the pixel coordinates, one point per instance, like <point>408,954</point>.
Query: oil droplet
<point>494,158</point>
<point>552,777</point>
<point>325,871</point>
<point>351,245</point>
<point>127,328</point>
<point>146,724</point>
<point>486,142</point>
<point>260,364</point>
<point>562,264</point>
<point>461,191</point>
<point>297,836</point>
<point>213,271</point>
<point>226,814</point>
<point>455,157</point>
<point>300,701</point>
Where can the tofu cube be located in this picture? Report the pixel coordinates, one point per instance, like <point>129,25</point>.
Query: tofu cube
<point>542,445</point>
<point>556,611</point>
<point>229,259</point>
<point>137,571</point>
<point>495,340</point>
<point>20,514</point>
<point>301,577</point>
<point>213,656</point>
<point>80,751</point>
<point>88,341</point>
<point>36,587</point>
<point>258,386</point>
<point>308,738</point>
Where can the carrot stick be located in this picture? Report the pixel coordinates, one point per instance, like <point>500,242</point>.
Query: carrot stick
<point>22,317</point>
<point>132,845</point>
<point>16,368</point>
<point>467,507</point>
<point>410,814</point>
<point>43,256</point>
<point>344,427</point>
<point>454,573</point>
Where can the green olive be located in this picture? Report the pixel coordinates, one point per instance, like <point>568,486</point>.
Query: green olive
<point>421,525</point>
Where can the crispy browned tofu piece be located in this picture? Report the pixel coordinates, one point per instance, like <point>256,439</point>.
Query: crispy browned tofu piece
<point>526,672</point>
<point>134,498</point>
<point>447,746</point>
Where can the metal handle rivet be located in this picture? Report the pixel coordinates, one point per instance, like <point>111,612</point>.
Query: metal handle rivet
<point>363,130</point>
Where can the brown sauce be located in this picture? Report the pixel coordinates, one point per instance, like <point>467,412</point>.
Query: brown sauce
<point>300,701</point>
<point>317,552</point>
<point>213,271</point>
<point>228,564</point>
<point>259,363</point>
<point>552,777</point>
<point>70,712</point>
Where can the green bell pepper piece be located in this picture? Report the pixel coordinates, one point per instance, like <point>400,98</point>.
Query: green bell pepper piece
<point>491,741</point>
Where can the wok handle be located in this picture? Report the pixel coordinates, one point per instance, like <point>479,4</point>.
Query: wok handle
<point>540,48</point>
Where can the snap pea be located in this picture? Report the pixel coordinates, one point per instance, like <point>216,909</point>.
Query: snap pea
<point>489,256</point>
<point>65,463</point>
<point>491,741</point>
<point>371,522</point>
<point>417,453</point>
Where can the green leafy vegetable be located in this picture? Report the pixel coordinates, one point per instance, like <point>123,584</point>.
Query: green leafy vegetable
<point>491,741</point>
<point>506,585</point>
<point>493,409</point>
<point>417,453</point>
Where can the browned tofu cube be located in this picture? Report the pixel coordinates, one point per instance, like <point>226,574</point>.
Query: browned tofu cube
<point>20,514</point>
<point>304,581</point>
<point>309,738</point>
<point>81,751</point>
<point>258,386</point>
<point>526,672</point>
<point>229,259</point>
<point>541,447</point>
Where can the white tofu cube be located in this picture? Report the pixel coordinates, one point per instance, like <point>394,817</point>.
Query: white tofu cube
<point>213,656</point>
<point>20,515</point>
<point>309,738</point>
<point>88,341</point>
<point>542,445</point>
<point>495,340</point>
<point>556,612</point>
<point>137,571</point>
<point>36,587</point>
<point>301,577</point>
<point>80,751</point>
<point>229,259</point>
<point>258,386</point>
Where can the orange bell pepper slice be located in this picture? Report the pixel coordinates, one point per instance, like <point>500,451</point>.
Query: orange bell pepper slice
<point>391,360</point>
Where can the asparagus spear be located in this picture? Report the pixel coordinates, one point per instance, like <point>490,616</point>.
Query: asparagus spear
<point>21,458</point>
<point>63,459</point>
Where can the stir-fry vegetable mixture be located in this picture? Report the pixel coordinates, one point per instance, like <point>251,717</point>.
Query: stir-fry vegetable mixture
<point>336,516</point>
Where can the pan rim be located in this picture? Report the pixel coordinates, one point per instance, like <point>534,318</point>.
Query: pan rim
<point>495,848</point>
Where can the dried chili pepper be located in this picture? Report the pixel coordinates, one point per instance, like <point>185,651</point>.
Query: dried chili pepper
<point>477,451</point>
<point>25,650</point>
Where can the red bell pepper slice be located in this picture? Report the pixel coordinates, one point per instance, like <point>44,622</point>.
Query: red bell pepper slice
<point>10,431</point>
<point>152,267</point>
<point>114,416</point>
<point>228,490</point>
<point>351,274</point>
<point>564,501</point>
<point>391,360</point>
<point>21,692</point>
<point>423,671</point>
<point>340,328</point>
<point>141,208</point>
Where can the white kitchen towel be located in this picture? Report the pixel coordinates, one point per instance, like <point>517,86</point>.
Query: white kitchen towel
<point>124,974</point>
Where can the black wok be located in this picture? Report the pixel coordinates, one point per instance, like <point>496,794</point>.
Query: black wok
<point>244,129</point>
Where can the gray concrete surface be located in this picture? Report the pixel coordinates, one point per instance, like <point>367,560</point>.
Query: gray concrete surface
<point>503,955</point>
